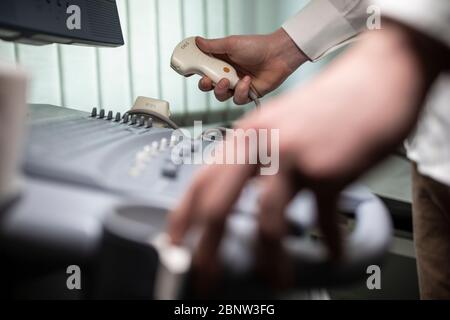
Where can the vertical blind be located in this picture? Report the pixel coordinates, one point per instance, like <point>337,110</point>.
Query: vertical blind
<point>85,77</point>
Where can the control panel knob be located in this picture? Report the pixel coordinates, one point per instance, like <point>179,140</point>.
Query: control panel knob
<point>163,145</point>
<point>169,170</point>
<point>173,140</point>
<point>149,123</point>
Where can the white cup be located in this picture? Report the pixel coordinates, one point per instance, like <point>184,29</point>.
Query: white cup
<point>13,111</point>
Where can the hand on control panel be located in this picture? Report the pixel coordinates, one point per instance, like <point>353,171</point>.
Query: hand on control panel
<point>331,131</point>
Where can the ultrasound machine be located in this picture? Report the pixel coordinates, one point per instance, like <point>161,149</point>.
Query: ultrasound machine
<point>86,202</point>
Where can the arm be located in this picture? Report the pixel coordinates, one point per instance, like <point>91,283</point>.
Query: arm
<point>266,61</point>
<point>331,131</point>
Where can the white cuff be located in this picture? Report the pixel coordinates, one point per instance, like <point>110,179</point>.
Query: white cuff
<point>318,28</point>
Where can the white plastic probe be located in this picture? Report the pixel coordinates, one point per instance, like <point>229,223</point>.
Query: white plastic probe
<point>187,59</point>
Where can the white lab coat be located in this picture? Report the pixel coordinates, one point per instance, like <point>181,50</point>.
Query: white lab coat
<point>323,25</point>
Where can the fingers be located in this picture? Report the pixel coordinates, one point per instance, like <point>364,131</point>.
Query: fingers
<point>277,194</point>
<point>213,192</point>
<point>214,203</point>
<point>221,91</point>
<point>183,216</point>
<point>209,199</point>
<point>213,46</point>
<point>206,263</point>
<point>205,84</point>
<point>242,90</point>
<point>328,224</point>
<point>272,260</point>
<point>222,48</point>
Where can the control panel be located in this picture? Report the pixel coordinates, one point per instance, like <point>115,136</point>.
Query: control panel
<point>99,187</point>
<point>115,152</point>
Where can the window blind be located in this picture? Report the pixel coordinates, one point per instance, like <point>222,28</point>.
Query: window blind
<point>111,78</point>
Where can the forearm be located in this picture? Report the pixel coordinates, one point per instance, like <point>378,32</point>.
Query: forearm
<point>413,64</point>
<point>404,75</point>
<point>379,84</point>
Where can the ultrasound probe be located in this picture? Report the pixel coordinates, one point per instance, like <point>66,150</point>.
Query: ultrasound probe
<point>187,59</point>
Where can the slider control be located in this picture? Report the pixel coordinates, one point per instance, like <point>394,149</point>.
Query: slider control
<point>102,114</point>
<point>133,119</point>
<point>94,112</point>
<point>110,115</point>
<point>126,118</point>
<point>117,118</point>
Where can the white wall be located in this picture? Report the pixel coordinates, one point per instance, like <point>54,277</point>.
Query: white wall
<point>83,77</point>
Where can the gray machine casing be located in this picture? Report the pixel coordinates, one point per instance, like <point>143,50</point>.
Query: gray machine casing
<point>77,172</point>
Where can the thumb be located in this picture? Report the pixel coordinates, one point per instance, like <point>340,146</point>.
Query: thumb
<point>214,46</point>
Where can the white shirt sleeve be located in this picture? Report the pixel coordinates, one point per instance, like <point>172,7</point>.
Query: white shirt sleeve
<point>323,25</point>
<point>429,17</point>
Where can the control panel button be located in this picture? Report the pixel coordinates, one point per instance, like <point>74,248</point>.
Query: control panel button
<point>169,170</point>
<point>164,144</point>
<point>173,140</point>
<point>141,121</point>
<point>155,145</point>
<point>143,156</point>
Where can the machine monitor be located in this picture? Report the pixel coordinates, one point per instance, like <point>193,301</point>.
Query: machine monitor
<point>85,22</point>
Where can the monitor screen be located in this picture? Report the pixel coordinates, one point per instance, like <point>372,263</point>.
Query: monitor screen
<point>87,22</point>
